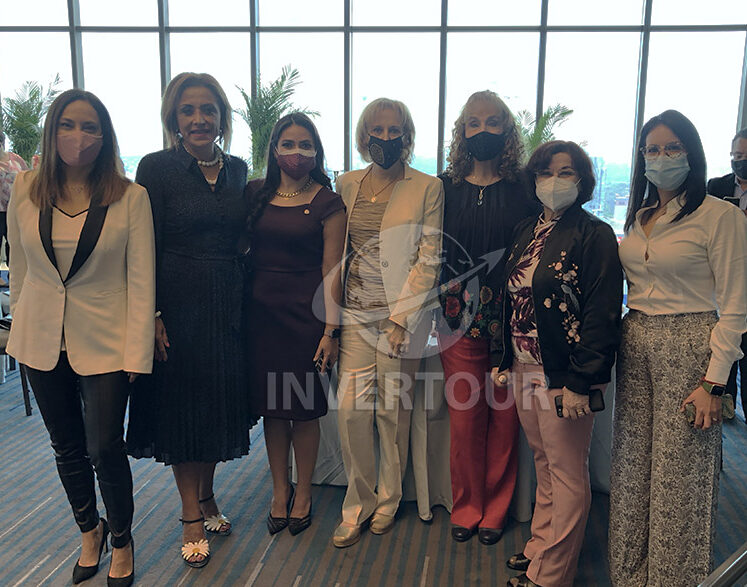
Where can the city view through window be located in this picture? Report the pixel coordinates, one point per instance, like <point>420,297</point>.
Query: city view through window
<point>613,64</point>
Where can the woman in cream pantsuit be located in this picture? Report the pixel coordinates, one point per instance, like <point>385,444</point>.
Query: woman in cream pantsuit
<point>391,262</point>
<point>82,285</point>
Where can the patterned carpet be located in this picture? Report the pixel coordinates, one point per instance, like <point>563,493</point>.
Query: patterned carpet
<point>39,545</point>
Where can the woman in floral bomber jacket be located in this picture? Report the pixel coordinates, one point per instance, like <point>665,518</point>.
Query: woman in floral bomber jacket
<point>560,329</point>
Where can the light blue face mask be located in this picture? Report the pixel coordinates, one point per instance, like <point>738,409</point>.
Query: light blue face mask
<point>666,173</point>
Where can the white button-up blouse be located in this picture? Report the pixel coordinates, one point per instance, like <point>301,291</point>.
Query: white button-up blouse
<point>696,264</point>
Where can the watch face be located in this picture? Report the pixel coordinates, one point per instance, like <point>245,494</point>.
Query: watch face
<point>718,390</point>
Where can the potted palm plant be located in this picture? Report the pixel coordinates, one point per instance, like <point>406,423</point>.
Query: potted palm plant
<point>23,114</point>
<point>535,132</point>
<point>262,111</point>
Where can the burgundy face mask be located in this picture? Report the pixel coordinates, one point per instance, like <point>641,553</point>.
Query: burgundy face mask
<point>296,165</point>
<point>77,148</point>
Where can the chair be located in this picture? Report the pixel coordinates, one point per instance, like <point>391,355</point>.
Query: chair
<point>11,366</point>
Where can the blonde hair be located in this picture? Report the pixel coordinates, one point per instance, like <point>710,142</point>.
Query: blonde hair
<point>367,116</point>
<point>173,94</point>
<point>460,160</point>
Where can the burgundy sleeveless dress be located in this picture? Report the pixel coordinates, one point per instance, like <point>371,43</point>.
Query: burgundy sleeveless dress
<point>285,313</point>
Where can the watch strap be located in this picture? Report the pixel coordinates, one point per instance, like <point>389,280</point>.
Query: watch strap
<point>334,333</point>
<point>713,388</point>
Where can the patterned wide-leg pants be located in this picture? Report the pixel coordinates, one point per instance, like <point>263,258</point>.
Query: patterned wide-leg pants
<point>664,478</point>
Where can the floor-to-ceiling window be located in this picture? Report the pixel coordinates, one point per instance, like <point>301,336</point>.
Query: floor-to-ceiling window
<point>612,63</point>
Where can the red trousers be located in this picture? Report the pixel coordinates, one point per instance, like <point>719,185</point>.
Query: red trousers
<point>484,434</point>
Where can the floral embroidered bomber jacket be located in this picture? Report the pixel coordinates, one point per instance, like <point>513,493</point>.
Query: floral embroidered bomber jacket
<point>577,293</point>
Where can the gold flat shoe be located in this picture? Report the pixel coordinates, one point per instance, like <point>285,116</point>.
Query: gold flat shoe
<point>381,523</point>
<point>346,535</point>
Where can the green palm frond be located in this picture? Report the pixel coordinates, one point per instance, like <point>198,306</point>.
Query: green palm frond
<point>23,116</point>
<point>260,113</point>
<point>539,131</point>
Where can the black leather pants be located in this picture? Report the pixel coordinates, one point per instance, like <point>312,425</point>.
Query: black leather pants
<point>89,436</point>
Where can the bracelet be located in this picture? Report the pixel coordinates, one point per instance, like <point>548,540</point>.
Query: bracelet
<point>333,334</point>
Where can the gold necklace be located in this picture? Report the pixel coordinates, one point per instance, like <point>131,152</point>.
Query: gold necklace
<point>289,195</point>
<point>479,196</point>
<point>376,193</point>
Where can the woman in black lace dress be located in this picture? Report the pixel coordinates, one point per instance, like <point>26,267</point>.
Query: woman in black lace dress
<point>195,410</point>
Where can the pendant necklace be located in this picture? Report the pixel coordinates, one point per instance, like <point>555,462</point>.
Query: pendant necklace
<point>375,195</point>
<point>479,196</point>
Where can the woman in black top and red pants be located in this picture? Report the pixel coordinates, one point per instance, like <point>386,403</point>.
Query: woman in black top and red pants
<point>484,200</point>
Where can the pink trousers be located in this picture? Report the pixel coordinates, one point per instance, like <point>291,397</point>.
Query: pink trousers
<point>484,434</point>
<point>561,460</point>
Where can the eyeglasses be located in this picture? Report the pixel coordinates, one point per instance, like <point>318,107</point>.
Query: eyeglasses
<point>671,150</point>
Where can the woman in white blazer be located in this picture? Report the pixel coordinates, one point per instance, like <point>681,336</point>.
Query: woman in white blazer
<point>82,296</point>
<point>390,267</point>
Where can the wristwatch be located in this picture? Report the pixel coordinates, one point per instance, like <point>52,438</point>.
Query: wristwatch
<point>713,388</point>
<point>334,333</point>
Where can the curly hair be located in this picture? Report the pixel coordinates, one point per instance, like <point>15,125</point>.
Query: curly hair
<point>460,160</point>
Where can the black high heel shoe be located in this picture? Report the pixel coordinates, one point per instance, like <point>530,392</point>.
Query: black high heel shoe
<point>298,525</point>
<point>123,581</point>
<point>275,525</point>
<point>518,562</point>
<point>80,574</point>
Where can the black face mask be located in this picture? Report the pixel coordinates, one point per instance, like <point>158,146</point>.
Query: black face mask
<point>385,153</point>
<point>740,168</point>
<point>486,145</point>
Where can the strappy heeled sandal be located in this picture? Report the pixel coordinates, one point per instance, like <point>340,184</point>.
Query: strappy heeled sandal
<point>199,548</point>
<point>213,524</point>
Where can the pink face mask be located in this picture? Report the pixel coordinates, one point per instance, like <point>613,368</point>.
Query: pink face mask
<point>77,148</point>
<point>296,165</point>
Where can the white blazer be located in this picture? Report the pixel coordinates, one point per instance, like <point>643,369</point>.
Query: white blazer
<point>410,245</point>
<point>106,305</point>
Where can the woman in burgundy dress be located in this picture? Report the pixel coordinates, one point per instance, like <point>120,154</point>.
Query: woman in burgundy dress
<point>296,228</point>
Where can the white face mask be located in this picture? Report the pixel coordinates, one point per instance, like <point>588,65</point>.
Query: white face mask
<point>557,193</point>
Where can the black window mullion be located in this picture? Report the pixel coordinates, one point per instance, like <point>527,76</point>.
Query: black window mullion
<point>76,45</point>
<point>442,88</point>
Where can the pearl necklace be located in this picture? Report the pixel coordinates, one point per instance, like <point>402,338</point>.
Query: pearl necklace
<point>212,182</point>
<point>289,195</point>
<point>218,159</point>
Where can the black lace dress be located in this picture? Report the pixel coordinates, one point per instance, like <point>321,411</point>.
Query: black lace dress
<point>195,406</point>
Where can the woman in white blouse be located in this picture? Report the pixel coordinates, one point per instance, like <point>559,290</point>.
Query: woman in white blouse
<point>684,256</point>
<point>82,294</point>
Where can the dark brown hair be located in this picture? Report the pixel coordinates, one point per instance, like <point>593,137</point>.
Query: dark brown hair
<point>259,201</point>
<point>644,193</point>
<point>582,165</point>
<point>105,182</point>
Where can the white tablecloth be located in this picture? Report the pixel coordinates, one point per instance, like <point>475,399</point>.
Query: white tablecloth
<point>428,480</point>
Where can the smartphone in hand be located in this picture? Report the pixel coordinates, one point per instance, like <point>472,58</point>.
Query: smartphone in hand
<point>596,402</point>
